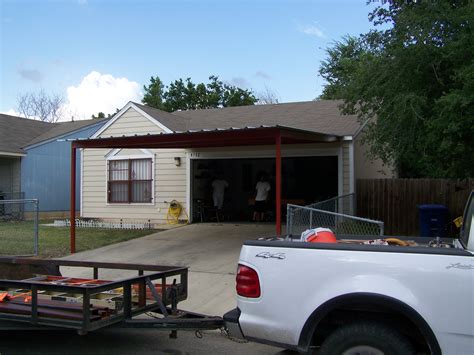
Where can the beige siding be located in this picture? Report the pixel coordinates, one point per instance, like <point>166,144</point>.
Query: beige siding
<point>169,180</point>
<point>169,183</point>
<point>366,168</point>
<point>130,123</point>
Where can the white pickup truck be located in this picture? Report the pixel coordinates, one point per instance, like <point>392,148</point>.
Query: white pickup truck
<point>353,298</point>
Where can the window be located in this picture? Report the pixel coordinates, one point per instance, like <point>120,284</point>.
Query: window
<point>130,181</point>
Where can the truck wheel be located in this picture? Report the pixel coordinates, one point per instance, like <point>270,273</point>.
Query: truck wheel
<point>365,338</point>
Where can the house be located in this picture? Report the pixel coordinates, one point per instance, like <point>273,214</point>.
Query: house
<point>143,158</point>
<point>34,164</point>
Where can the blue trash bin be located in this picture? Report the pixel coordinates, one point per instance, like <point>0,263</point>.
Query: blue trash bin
<point>433,220</point>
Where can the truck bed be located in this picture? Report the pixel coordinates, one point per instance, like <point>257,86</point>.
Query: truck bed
<point>419,245</point>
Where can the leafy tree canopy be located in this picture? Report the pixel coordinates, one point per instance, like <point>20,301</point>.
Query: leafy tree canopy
<point>186,95</point>
<point>102,115</point>
<point>412,81</point>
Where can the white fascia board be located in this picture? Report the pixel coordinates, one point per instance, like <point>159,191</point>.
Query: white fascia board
<point>12,154</point>
<point>112,155</point>
<point>121,113</point>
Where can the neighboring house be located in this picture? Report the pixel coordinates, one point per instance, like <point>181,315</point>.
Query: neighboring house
<point>34,164</point>
<point>137,184</point>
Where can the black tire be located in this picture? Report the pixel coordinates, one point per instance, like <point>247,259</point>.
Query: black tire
<point>368,336</point>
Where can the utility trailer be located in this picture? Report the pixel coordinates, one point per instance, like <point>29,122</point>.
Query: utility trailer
<point>46,299</point>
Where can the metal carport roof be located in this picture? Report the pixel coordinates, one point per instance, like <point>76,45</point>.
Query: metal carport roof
<point>248,136</point>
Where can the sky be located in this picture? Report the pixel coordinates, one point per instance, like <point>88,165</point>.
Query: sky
<point>98,54</point>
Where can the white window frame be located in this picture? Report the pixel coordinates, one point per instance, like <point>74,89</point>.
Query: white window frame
<point>147,154</point>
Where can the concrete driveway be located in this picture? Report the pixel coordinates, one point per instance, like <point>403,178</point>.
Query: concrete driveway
<point>211,251</point>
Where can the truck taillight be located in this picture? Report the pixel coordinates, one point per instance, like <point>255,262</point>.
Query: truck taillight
<point>248,284</point>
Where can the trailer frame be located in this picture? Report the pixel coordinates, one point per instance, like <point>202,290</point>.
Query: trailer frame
<point>164,305</point>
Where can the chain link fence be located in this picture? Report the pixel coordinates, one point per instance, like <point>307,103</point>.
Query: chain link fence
<point>301,218</point>
<point>19,229</point>
<point>345,204</point>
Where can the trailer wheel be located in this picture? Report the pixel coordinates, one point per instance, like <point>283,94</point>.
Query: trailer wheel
<point>366,338</point>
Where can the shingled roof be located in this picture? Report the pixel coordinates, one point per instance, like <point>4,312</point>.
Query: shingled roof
<point>17,133</point>
<point>173,122</point>
<point>318,116</point>
<point>61,128</point>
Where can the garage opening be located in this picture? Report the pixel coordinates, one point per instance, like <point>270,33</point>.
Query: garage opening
<point>305,180</point>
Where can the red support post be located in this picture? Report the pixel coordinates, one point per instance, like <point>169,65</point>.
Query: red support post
<point>278,181</point>
<point>72,216</point>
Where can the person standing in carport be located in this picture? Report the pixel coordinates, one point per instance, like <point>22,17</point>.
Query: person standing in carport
<point>262,189</point>
<point>218,189</point>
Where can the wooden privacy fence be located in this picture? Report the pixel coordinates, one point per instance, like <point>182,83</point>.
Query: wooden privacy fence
<point>395,201</point>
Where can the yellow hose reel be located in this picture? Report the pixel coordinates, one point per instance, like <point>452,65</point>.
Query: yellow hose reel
<point>175,210</point>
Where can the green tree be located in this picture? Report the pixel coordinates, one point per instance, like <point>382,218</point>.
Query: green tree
<point>102,115</point>
<point>99,115</point>
<point>154,93</point>
<point>186,95</point>
<point>413,83</point>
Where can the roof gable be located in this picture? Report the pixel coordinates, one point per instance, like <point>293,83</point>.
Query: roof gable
<point>156,119</point>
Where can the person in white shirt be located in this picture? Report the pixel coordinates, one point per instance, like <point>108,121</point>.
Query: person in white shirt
<point>218,189</point>
<point>262,189</point>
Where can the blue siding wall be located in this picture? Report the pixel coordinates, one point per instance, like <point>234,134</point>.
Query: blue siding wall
<point>45,172</point>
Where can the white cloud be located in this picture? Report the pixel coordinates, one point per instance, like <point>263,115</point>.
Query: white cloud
<point>99,93</point>
<point>311,30</point>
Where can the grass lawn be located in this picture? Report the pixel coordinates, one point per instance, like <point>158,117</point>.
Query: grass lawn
<point>16,238</point>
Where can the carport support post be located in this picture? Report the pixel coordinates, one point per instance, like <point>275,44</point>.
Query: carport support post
<point>72,217</point>
<point>278,181</point>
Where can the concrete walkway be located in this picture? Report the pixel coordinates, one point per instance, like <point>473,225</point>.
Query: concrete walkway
<point>211,251</point>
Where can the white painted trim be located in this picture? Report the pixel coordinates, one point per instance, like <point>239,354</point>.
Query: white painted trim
<point>340,170</point>
<point>351,168</point>
<point>147,154</point>
<point>112,152</point>
<point>347,138</point>
<point>13,154</point>
<point>112,155</point>
<point>133,157</point>
<point>362,127</point>
<point>81,182</point>
<point>188,188</point>
<point>122,112</point>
